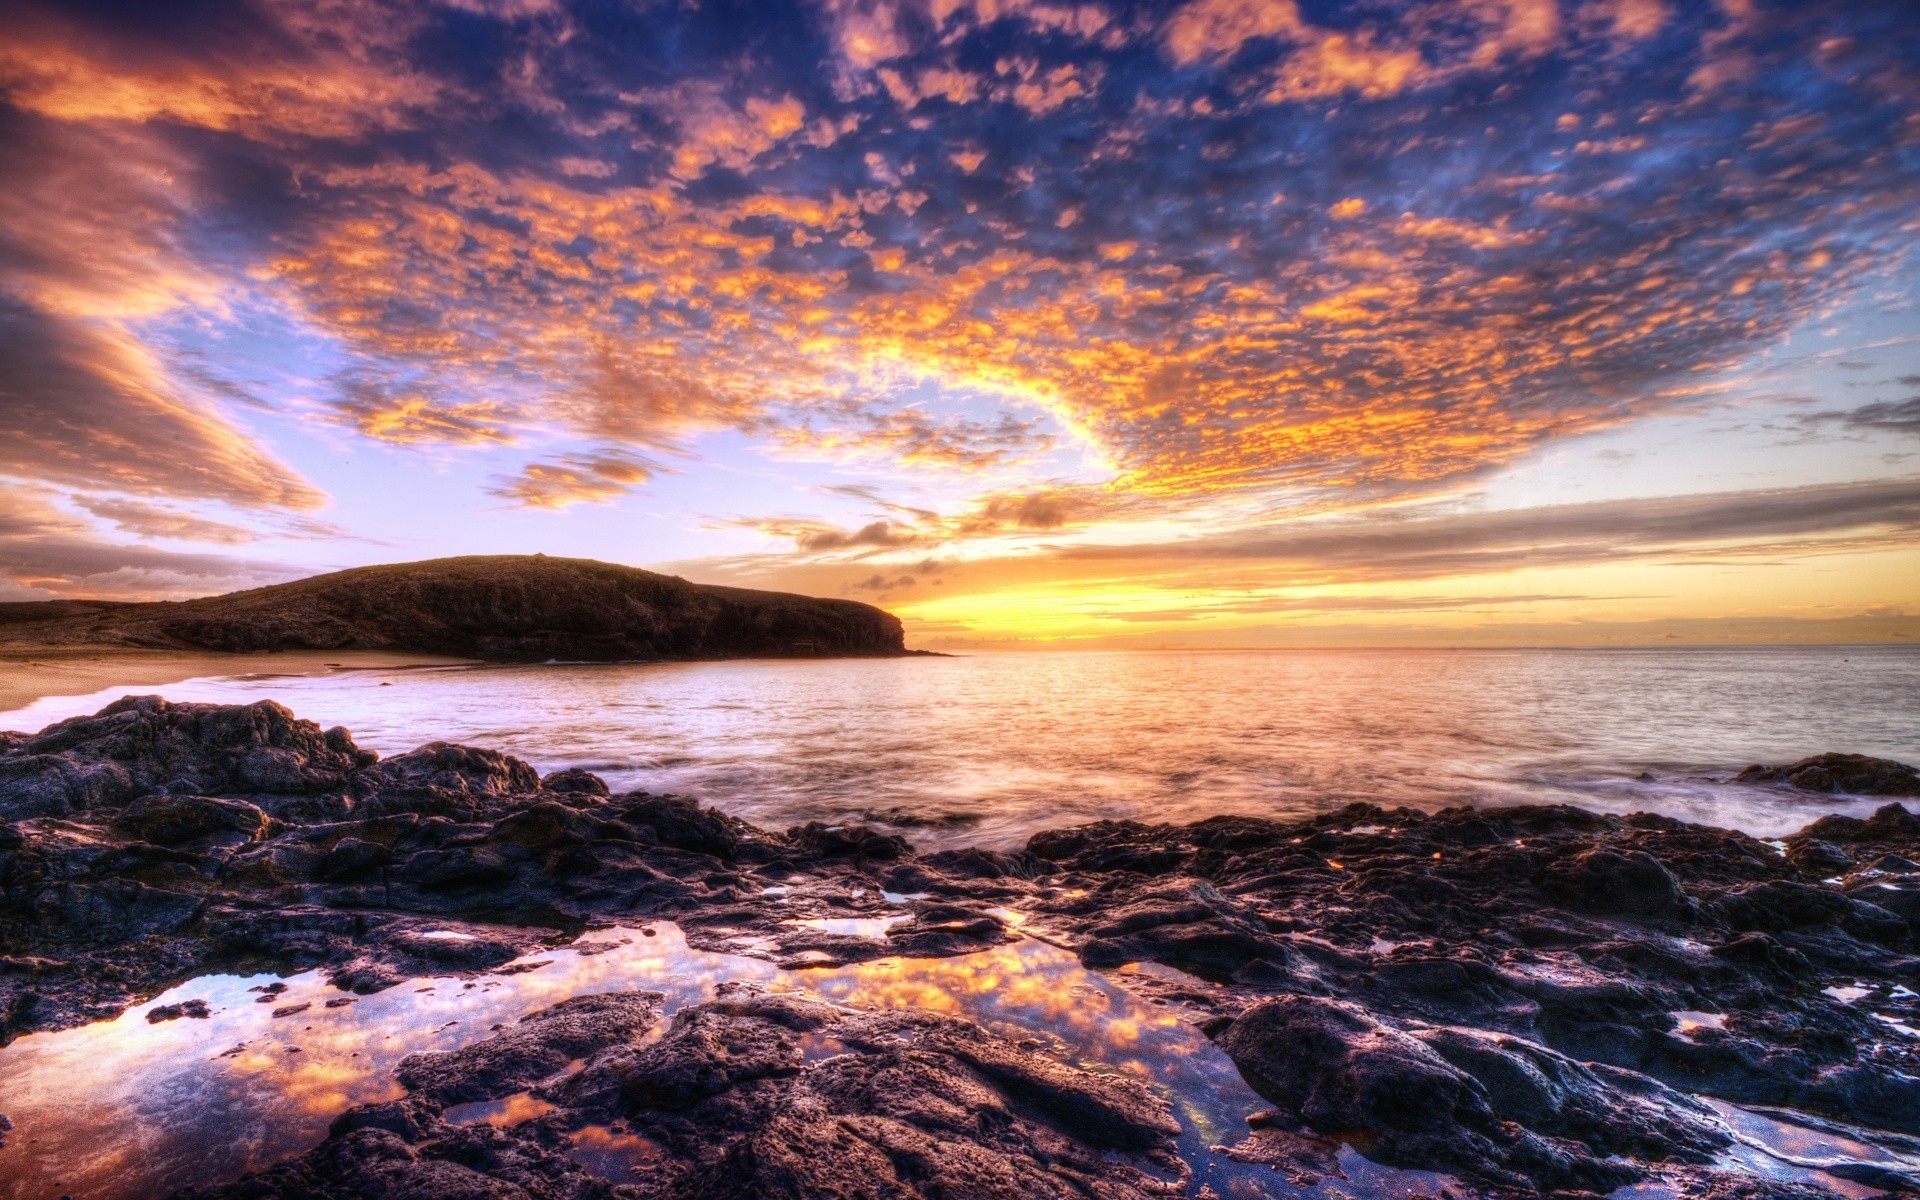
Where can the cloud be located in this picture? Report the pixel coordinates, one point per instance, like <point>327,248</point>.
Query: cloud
<point>1886,416</point>
<point>319,70</point>
<point>386,411</point>
<point>883,583</point>
<point>44,552</point>
<point>596,477</point>
<point>1811,519</point>
<point>911,437</point>
<point>1240,257</point>
<point>149,520</point>
<point>87,406</point>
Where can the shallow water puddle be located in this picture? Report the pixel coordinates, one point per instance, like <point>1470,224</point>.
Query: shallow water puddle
<point>1775,1149</point>
<point>1689,1021</point>
<point>128,1108</point>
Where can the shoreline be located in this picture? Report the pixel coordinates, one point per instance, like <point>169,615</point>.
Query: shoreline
<point>30,673</point>
<point>1516,1000</point>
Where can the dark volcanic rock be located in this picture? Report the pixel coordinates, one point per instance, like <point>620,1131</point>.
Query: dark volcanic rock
<point>753,1095</point>
<point>1498,1108</point>
<point>1853,774</point>
<point>536,1046</point>
<point>169,820</point>
<point>510,608</point>
<point>1525,998</point>
<point>144,744</point>
<point>1610,883</point>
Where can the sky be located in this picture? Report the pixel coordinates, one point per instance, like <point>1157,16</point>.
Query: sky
<point>1214,323</point>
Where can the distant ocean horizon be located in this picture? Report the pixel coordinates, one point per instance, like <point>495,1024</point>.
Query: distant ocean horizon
<point>987,748</point>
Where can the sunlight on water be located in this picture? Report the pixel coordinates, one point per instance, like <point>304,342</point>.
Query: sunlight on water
<point>987,749</point>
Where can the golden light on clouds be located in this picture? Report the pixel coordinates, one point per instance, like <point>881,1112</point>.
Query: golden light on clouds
<point>1013,279</point>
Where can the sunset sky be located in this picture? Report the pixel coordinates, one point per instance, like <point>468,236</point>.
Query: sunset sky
<point>1216,323</point>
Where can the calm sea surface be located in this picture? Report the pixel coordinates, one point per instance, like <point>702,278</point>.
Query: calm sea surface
<point>987,749</point>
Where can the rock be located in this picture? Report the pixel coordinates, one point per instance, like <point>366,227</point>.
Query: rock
<point>909,1105</point>
<point>173,1012</point>
<point>462,952</point>
<point>1891,824</point>
<point>736,1103</point>
<point>1503,1110</point>
<point>938,928</point>
<point>1341,1070</point>
<point>1633,884</point>
<point>169,820</point>
<point>136,744</point>
<point>1818,859</point>
<point>536,1046</point>
<point>712,1048</point>
<point>54,785</point>
<point>1185,924</point>
<point>546,825</point>
<point>1853,774</point>
<point>1902,900</point>
<point>814,840</point>
<point>352,858</point>
<point>680,823</point>
<point>1485,992</point>
<point>575,781</point>
<point>441,778</point>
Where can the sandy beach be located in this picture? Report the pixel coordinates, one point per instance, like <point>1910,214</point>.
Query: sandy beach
<point>28,673</point>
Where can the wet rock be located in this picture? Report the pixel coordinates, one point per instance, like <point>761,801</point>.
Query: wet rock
<point>814,840</point>
<point>546,825</point>
<point>1609,1111</point>
<point>1778,905</point>
<point>1611,883</point>
<point>170,820</point>
<point>173,1012</point>
<point>1500,1109</point>
<point>1340,1069</point>
<point>575,781</point>
<point>533,1048</point>
<point>443,779</point>
<point>1891,824</point>
<point>352,858</point>
<point>1818,859</point>
<point>941,929</point>
<point>1853,774</point>
<point>136,744</point>
<point>1187,924</point>
<point>459,951</point>
<point>680,823</point>
<point>762,1096</point>
<point>1503,982</point>
<point>904,1104</point>
<point>712,1048</point>
<point>53,785</point>
<point>1900,899</point>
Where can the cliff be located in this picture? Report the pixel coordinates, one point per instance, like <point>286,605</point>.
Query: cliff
<point>511,608</point>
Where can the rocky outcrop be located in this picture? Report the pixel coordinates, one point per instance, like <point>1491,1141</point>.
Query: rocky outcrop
<point>1527,999</point>
<point>734,1103</point>
<point>501,608</point>
<point>1852,774</point>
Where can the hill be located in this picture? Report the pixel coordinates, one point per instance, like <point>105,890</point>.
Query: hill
<point>508,608</point>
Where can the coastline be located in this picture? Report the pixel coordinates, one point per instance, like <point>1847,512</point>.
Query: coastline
<point>35,672</point>
<point>1506,1001</point>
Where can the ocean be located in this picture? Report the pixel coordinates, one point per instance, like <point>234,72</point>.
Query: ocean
<point>987,749</point>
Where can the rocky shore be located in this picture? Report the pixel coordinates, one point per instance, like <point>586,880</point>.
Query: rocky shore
<point>1522,1000</point>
